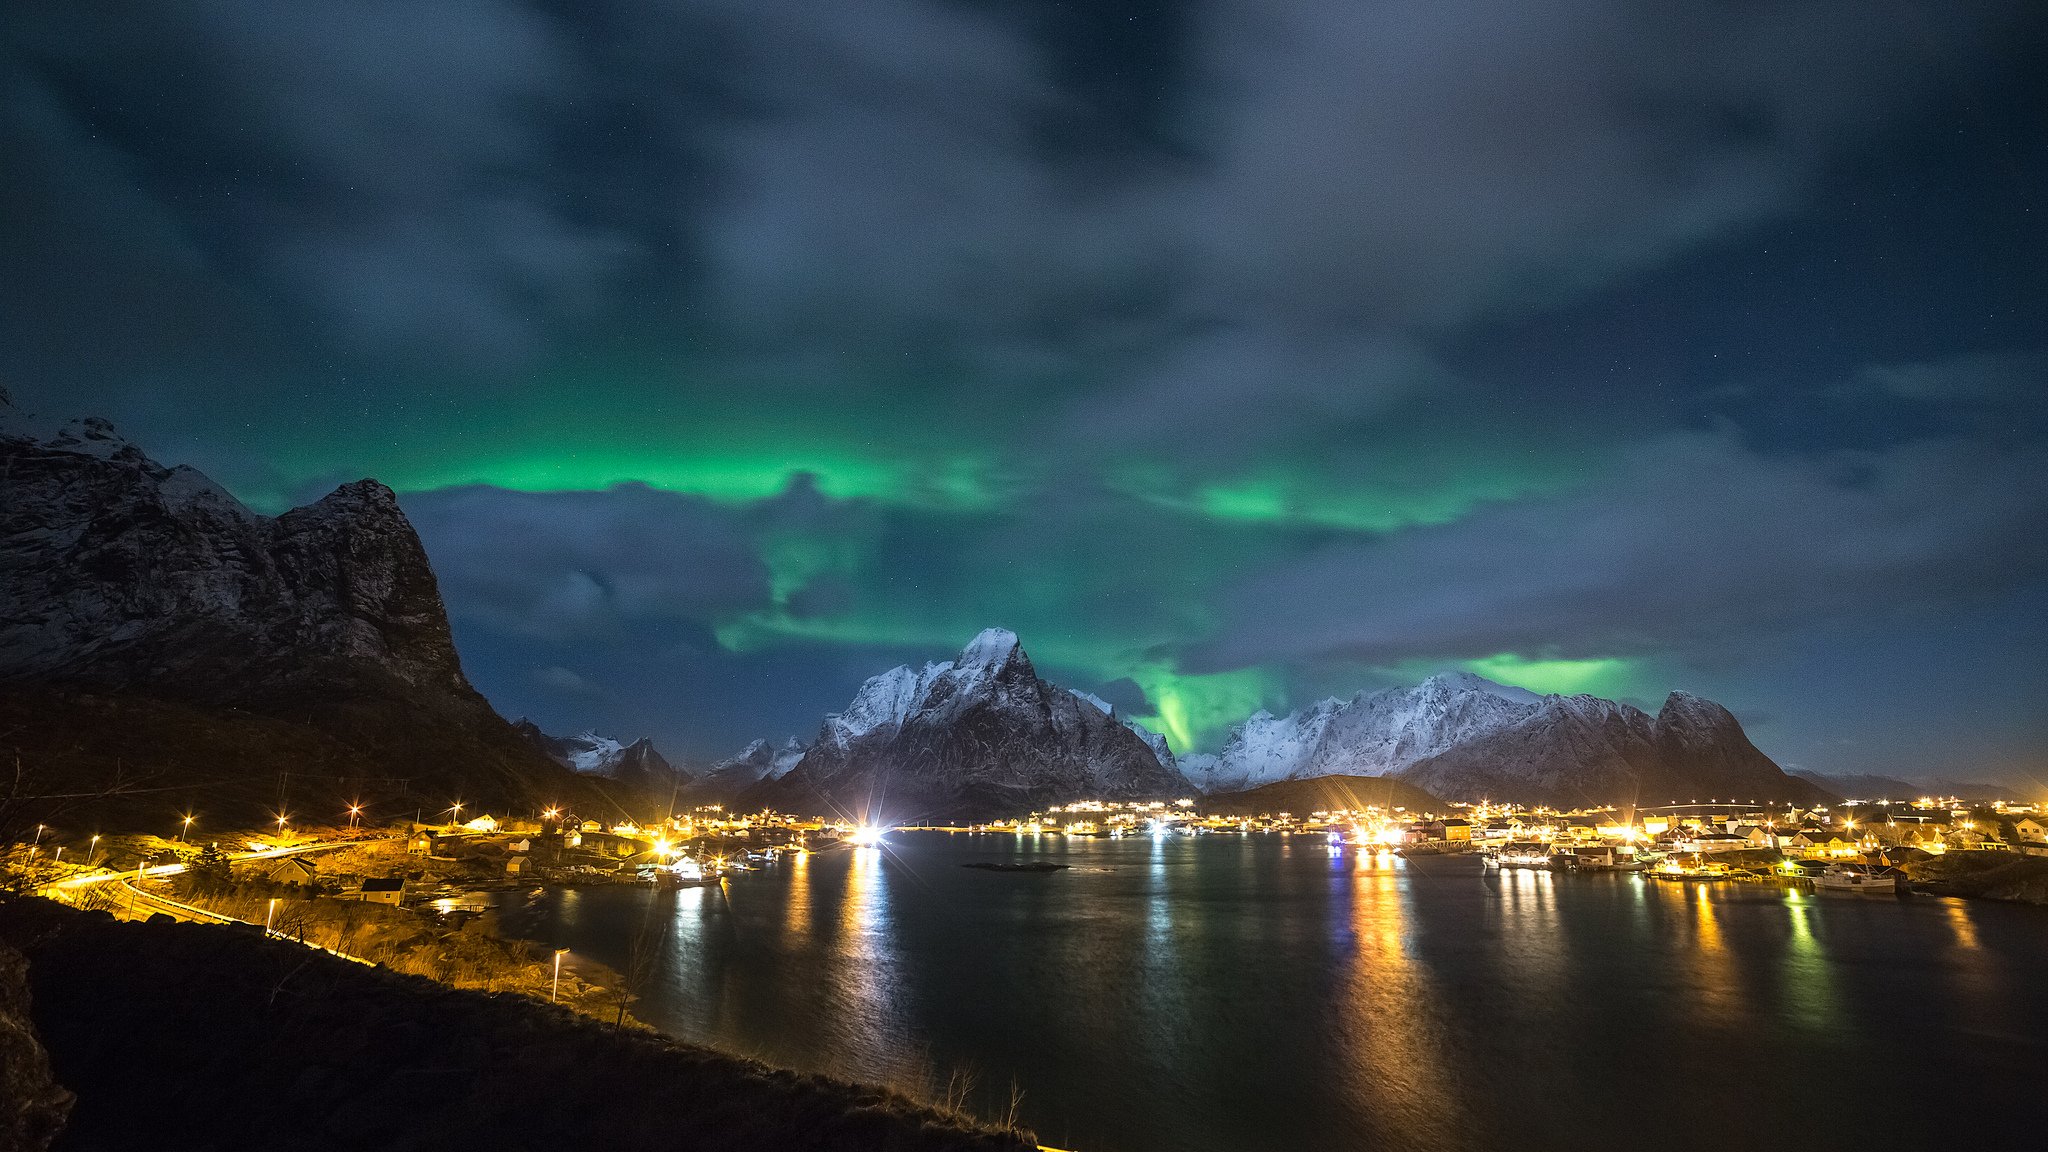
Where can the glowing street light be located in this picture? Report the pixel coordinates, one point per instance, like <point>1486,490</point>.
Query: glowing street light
<point>455,810</point>
<point>551,813</point>
<point>270,917</point>
<point>354,811</point>
<point>186,821</point>
<point>556,990</point>
<point>93,850</point>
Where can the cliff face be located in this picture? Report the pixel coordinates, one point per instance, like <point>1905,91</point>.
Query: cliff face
<point>156,622</point>
<point>117,572</point>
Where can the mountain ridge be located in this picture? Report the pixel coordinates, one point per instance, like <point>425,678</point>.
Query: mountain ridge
<point>1459,736</point>
<point>137,598</point>
<point>980,735</point>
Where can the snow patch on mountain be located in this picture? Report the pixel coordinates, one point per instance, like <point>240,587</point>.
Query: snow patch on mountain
<point>978,733</point>
<point>595,755</point>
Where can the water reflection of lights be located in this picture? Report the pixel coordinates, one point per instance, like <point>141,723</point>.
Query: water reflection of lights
<point>864,973</point>
<point>796,913</point>
<point>1714,976</point>
<point>1964,927</point>
<point>1390,1018</point>
<point>1809,984</point>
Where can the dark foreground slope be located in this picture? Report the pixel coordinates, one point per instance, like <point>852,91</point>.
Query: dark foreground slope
<point>32,1105</point>
<point>194,1037</point>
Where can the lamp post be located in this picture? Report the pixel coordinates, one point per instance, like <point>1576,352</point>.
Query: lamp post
<point>270,917</point>
<point>455,813</point>
<point>354,811</point>
<point>92,850</point>
<point>186,826</point>
<point>557,988</point>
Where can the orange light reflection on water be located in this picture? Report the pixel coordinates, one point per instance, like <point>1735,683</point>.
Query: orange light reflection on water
<point>1391,1032</point>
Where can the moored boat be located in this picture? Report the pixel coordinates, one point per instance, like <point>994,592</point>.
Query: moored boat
<point>1857,878</point>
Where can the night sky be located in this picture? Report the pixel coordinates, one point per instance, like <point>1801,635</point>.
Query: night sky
<point>1235,353</point>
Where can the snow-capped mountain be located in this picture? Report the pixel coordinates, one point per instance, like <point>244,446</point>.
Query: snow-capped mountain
<point>1371,734</point>
<point>1462,737</point>
<point>981,733</point>
<point>144,607</point>
<point>590,754</point>
<point>759,761</point>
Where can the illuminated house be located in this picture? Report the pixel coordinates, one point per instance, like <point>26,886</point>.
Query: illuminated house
<point>291,870</point>
<point>382,890</point>
<point>1448,830</point>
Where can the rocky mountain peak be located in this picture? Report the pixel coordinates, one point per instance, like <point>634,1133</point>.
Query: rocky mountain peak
<point>154,592</point>
<point>981,734</point>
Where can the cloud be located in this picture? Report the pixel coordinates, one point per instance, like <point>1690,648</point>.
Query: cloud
<point>567,681</point>
<point>1997,379</point>
<point>1692,546</point>
<point>1315,192</point>
<point>568,566</point>
<point>1127,696</point>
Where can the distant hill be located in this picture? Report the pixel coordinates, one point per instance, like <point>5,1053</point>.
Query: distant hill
<point>1859,786</point>
<point>155,631</point>
<point>1323,794</point>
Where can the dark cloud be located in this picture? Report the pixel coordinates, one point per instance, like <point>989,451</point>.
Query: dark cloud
<point>1692,546</point>
<point>1127,696</point>
<point>585,566</point>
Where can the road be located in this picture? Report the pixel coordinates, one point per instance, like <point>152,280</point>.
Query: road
<point>140,904</point>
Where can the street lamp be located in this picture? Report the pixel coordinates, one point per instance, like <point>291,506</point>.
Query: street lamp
<point>354,810</point>
<point>186,820</point>
<point>92,850</point>
<point>557,988</point>
<point>270,917</point>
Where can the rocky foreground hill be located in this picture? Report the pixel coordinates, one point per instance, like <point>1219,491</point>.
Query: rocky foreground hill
<point>155,631</point>
<point>195,1036</point>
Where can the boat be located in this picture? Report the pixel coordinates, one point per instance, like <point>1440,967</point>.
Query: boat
<point>1857,878</point>
<point>1672,868</point>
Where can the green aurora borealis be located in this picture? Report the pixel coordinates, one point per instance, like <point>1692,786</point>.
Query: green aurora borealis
<point>1126,564</point>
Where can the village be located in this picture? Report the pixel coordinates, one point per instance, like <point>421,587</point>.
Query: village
<point>1860,845</point>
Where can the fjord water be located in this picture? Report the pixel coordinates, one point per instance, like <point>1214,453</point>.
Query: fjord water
<point>1265,992</point>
